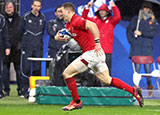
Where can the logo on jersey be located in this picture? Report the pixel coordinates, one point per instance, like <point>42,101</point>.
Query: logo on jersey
<point>74,34</point>
<point>55,25</point>
<point>29,21</point>
<point>40,22</point>
<point>107,21</point>
<point>23,52</point>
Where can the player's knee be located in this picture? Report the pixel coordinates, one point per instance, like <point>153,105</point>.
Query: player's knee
<point>108,81</point>
<point>66,75</point>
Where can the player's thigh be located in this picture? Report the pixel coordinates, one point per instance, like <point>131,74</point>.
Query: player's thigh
<point>77,66</point>
<point>102,73</point>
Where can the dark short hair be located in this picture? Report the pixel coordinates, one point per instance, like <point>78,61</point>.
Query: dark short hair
<point>69,5</point>
<point>147,5</point>
<point>37,1</point>
<point>57,8</point>
<point>9,1</point>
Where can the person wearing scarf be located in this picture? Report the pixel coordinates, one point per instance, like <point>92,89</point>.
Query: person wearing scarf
<point>140,34</point>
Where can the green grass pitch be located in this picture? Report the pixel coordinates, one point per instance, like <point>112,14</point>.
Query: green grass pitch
<point>14,105</point>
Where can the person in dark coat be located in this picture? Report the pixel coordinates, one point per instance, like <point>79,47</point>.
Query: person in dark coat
<point>53,27</point>
<point>12,22</point>
<point>4,44</point>
<point>32,27</point>
<point>141,40</point>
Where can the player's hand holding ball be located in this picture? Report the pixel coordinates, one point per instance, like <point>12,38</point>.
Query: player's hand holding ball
<point>63,35</point>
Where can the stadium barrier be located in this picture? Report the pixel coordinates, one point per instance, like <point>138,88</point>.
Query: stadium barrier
<point>89,95</point>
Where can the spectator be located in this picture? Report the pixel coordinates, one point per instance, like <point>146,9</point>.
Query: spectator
<point>141,40</point>
<point>106,24</point>
<point>3,40</point>
<point>12,22</point>
<point>32,27</point>
<point>53,27</point>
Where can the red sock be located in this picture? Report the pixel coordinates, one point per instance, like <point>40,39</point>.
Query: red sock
<point>121,85</point>
<point>71,83</point>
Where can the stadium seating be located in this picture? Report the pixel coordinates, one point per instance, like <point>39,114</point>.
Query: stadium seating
<point>144,60</point>
<point>158,61</point>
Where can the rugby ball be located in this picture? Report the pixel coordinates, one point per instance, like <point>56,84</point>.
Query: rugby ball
<point>66,34</point>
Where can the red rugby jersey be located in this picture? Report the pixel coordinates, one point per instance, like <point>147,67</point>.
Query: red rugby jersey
<point>84,37</point>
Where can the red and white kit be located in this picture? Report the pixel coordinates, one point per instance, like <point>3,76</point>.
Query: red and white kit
<point>86,41</point>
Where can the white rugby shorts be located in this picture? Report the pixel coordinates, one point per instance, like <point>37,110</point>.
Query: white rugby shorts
<point>90,60</point>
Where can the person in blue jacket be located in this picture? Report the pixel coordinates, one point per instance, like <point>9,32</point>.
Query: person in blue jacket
<point>32,27</point>
<point>141,38</point>
<point>53,26</point>
<point>4,45</point>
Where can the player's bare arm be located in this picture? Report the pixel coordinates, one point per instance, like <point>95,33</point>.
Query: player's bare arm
<point>95,32</point>
<point>59,37</point>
